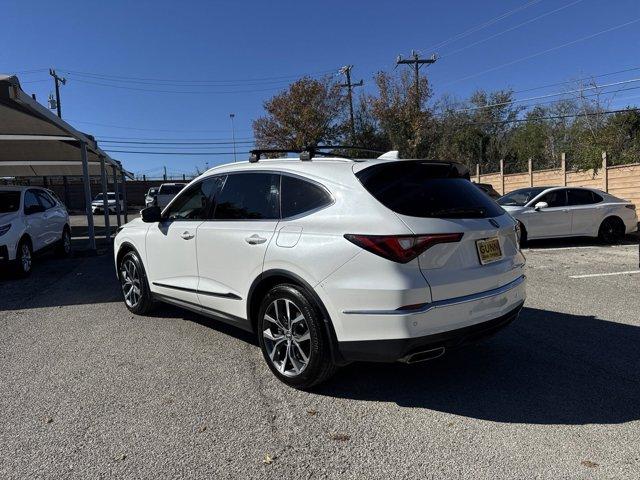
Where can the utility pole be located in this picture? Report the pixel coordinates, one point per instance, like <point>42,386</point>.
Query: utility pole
<point>417,62</point>
<point>233,135</point>
<point>57,80</point>
<point>164,176</point>
<point>346,71</point>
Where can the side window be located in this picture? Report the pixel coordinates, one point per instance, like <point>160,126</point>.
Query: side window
<point>45,200</point>
<point>556,198</point>
<point>299,196</point>
<point>580,197</point>
<point>193,203</point>
<point>249,196</point>
<point>30,200</point>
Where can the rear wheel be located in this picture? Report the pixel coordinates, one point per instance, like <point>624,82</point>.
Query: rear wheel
<point>293,339</point>
<point>133,281</point>
<point>24,258</point>
<point>611,230</point>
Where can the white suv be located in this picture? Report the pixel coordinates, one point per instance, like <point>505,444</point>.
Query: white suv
<point>31,219</point>
<point>332,260</point>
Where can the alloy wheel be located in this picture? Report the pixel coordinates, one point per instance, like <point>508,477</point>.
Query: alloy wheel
<point>286,337</point>
<point>130,280</point>
<point>25,257</point>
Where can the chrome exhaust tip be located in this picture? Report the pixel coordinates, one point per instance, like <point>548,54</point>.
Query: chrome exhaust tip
<point>423,355</point>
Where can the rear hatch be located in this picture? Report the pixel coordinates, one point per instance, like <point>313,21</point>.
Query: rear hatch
<point>438,198</point>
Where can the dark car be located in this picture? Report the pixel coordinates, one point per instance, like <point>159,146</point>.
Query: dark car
<point>488,189</point>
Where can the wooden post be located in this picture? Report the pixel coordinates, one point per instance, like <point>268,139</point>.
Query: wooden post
<point>530,172</point>
<point>605,173</point>
<point>501,177</point>
<point>477,173</point>
<point>563,168</point>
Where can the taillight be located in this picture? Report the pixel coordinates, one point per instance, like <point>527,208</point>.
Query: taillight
<point>401,248</point>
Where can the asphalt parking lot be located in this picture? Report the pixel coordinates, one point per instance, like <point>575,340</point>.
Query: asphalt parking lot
<point>88,390</point>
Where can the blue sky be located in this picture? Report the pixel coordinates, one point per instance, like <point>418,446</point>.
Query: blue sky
<point>253,48</point>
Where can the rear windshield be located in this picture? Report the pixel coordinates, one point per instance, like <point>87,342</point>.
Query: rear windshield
<point>170,189</point>
<point>519,198</point>
<point>9,202</point>
<point>427,190</point>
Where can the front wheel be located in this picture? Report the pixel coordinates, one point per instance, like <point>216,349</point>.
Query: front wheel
<point>293,339</point>
<point>133,281</point>
<point>24,259</point>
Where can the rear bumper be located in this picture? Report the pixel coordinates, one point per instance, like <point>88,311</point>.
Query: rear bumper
<point>398,349</point>
<point>379,335</point>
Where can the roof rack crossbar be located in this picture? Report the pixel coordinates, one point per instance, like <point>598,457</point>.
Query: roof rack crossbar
<point>308,153</point>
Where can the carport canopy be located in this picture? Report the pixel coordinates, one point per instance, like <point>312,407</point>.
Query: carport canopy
<point>35,142</point>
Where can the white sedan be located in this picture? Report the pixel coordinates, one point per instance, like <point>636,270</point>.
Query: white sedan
<point>552,212</point>
<point>32,219</point>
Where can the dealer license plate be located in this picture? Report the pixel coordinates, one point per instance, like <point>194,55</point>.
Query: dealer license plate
<point>489,250</point>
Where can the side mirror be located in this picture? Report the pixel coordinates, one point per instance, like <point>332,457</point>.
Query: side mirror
<point>540,205</point>
<point>151,214</point>
<point>31,209</point>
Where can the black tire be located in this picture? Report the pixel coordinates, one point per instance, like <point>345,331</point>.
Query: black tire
<point>24,259</point>
<point>282,342</point>
<point>63,248</point>
<point>134,284</point>
<point>611,230</point>
<point>523,235</point>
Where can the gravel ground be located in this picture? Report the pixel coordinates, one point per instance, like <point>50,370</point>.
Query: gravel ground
<point>88,390</point>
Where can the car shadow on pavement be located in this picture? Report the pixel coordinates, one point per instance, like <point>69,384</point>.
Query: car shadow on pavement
<point>631,239</point>
<point>546,368</point>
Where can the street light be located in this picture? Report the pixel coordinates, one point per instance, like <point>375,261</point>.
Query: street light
<point>233,135</point>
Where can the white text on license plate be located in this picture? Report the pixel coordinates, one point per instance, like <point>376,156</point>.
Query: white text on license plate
<point>489,250</point>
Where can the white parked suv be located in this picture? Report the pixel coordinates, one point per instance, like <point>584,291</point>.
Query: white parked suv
<point>331,261</point>
<point>32,219</point>
<point>552,212</point>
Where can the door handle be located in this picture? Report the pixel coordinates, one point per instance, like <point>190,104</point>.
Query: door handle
<point>187,235</point>
<point>255,239</point>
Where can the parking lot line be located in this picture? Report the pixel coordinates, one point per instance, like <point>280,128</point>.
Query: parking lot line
<point>589,275</point>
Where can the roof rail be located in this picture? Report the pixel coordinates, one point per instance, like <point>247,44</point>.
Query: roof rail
<point>309,152</point>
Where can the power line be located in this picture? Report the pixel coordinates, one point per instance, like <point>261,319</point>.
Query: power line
<point>549,50</point>
<point>553,117</point>
<point>174,81</point>
<point>454,52</point>
<point>177,143</point>
<point>590,77</point>
<point>174,153</point>
<point>481,26</point>
<point>197,92</point>
<point>183,83</point>
<point>593,87</point>
<point>146,129</point>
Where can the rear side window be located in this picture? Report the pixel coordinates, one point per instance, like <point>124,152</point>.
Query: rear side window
<point>583,197</point>
<point>300,196</point>
<point>427,190</point>
<point>30,200</point>
<point>249,196</point>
